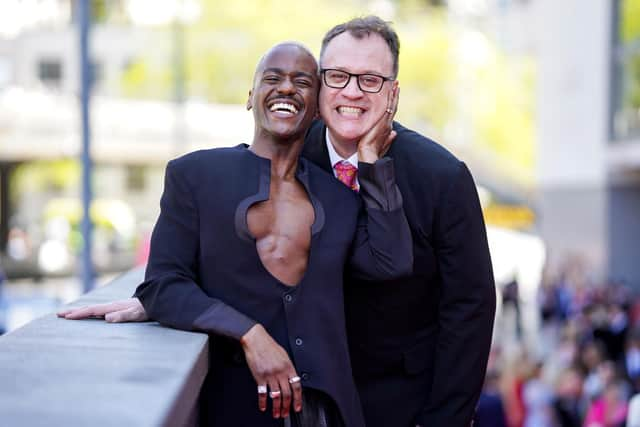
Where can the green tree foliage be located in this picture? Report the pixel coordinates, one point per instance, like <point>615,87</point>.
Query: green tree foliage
<point>503,107</point>
<point>445,83</point>
<point>225,44</point>
<point>427,73</point>
<point>630,38</point>
<point>630,20</point>
<point>632,95</point>
<point>45,175</point>
<point>492,98</point>
<point>148,78</point>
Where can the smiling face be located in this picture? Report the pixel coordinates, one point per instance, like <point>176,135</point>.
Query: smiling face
<point>284,97</point>
<point>349,112</point>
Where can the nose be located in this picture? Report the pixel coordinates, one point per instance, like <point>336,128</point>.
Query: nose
<point>352,90</point>
<point>286,86</point>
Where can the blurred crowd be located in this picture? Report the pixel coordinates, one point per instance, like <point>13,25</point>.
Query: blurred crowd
<point>586,369</point>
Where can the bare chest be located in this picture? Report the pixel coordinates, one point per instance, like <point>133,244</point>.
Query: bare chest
<point>281,227</point>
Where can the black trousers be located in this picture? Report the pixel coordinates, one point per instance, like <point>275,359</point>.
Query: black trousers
<point>229,399</point>
<point>318,410</point>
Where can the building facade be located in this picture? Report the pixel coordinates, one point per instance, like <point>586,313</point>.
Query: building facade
<point>588,135</point>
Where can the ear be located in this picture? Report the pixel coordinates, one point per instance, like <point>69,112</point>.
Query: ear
<point>317,115</point>
<point>249,105</point>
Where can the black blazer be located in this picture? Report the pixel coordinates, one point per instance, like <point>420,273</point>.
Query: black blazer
<point>204,274</point>
<point>419,345</point>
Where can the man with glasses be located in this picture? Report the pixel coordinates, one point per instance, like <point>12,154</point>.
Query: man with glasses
<point>250,247</point>
<point>419,345</point>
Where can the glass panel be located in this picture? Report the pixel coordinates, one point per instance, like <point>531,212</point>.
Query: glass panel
<point>50,71</point>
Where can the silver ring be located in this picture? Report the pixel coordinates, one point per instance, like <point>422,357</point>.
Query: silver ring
<point>294,380</point>
<point>262,389</point>
<point>274,394</point>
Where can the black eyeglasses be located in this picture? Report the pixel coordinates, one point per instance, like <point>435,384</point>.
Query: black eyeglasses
<point>338,79</point>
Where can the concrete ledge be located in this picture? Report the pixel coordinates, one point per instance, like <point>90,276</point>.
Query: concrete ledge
<point>57,372</point>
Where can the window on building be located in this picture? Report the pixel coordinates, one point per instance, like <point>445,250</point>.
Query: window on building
<point>50,72</point>
<point>626,76</point>
<point>136,178</point>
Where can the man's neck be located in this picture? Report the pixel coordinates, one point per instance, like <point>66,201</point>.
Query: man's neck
<point>344,149</point>
<point>283,155</point>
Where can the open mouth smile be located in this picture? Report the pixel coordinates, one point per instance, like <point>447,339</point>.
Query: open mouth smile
<point>349,111</point>
<point>284,108</point>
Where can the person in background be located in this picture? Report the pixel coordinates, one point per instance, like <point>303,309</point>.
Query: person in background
<point>490,410</point>
<point>633,415</point>
<point>568,405</point>
<point>610,409</point>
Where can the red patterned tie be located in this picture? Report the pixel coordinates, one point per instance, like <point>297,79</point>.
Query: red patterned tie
<point>346,173</point>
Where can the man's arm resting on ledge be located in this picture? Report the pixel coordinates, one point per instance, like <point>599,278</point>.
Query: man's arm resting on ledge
<point>268,362</point>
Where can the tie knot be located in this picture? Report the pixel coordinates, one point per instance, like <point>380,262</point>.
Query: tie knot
<point>345,166</point>
<point>347,173</point>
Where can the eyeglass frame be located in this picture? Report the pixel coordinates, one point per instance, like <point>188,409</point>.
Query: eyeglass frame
<point>323,71</point>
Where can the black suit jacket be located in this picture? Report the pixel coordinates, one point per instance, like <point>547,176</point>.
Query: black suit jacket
<point>419,345</point>
<point>205,274</point>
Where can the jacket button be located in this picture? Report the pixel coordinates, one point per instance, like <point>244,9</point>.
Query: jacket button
<point>304,376</point>
<point>298,341</point>
<point>288,298</point>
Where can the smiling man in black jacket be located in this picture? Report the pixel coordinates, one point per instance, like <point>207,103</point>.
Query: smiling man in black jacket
<point>419,346</point>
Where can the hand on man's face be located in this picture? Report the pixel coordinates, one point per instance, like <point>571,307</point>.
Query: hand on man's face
<point>377,141</point>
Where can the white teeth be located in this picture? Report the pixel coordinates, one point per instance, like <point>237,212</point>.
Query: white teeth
<point>350,110</point>
<point>284,106</point>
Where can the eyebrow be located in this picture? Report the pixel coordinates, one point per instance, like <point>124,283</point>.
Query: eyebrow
<point>281,71</point>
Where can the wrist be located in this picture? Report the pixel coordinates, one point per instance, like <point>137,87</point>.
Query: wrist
<point>247,338</point>
<point>368,156</point>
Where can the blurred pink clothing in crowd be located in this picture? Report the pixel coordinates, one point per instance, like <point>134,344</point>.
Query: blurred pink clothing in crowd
<point>608,411</point>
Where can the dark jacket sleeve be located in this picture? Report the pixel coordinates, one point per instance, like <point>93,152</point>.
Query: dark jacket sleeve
<point>382,248</point>
<point>170,292</point>
<point>466,306</point>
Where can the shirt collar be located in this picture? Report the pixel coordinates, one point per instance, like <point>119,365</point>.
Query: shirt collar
<point>334,157</point>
